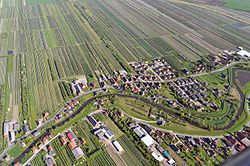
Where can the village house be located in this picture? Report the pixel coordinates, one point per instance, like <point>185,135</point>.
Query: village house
<point>63,140</point>
<point>51,151</point>
<point>78,153</point>
<point>70,136</point>
<point>72,145</point>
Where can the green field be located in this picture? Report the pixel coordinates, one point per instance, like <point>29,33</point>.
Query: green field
<point>132,155</point>
<point>238,4</point>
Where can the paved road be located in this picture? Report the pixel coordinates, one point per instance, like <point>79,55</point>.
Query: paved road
<point>48,121</point>
<point>79,111</point>
<point>145,122</point>
<point>109,87</point>
<point>61,123</point>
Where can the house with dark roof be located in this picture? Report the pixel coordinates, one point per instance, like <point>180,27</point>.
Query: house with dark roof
<point>92,120</point>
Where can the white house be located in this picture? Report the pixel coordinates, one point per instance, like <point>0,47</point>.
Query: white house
<point>158,157</point>
<point>244,53</point>
<point>147,139</point>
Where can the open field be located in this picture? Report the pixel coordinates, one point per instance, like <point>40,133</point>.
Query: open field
<point>134,107</point>
<point>132,155</point>
<point>238,4</point>
<point>243,77</point>
<point>44,42</point>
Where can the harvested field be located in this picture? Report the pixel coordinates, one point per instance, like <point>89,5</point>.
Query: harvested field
<point>45,41</point>
<point>243,77</point>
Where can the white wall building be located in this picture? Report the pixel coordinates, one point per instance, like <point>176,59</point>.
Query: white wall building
<point>117,146</point>
<point>244,53</point>
<point>147,139</point>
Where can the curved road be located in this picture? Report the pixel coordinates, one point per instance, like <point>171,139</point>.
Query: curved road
<point>48,121</point>
<point>109,87</point>
<point>89,101</point>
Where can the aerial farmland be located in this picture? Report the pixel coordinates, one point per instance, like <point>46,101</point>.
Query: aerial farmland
<point>178,67</point>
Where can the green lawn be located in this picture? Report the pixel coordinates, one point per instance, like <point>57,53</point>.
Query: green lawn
<point>215,80</point>
<point>238,4</point>
<point>131,155</point>
<point>134,108</point>
<point>246,88</point>
<point>15,151</point>
<point>34,2</point>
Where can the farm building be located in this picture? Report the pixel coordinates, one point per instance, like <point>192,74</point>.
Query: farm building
<point>117,146</point>
<point>243,53</point>
<point>104,131</point>
<point>76,89</point>
<point>92,120</point>
<point>108,134</point>
<point>12,137</point>
<point>123,72</point>
<point>147,139</point>
<point>99,133</point>
<point>51,151</point>
<point>35,133</point>
<point>16,127</point>
<point>26,128</point>
<point>78,85</point>
<point>139,131</point>
<point>148,129</point>
<point>77,152</point>
<point>158,157</point>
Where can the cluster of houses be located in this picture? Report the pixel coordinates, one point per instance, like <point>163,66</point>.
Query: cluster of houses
<point>159,153</point>
<point>213,147</point>
<point>71,105</point>
<point>69,108</point>
<point>44,144</point>
<point>78,85</point>
<point>194,94</point>
<point>48,158</point>
<point>158,70</point>
<point>235,55</point>
<point>67,138</point>
<point>223,146</point>
<point>102,78</point>
<point>72,142</point>
<point>226,57</point>
<point>104,133</point>
<point>155,70</point>
<point>149,75</point>
<point>238,142</point>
